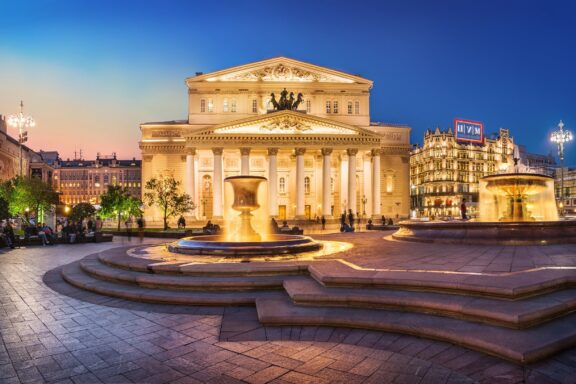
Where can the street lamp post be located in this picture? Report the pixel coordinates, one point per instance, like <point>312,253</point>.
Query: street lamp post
<point>21,122</point>
<point>560,137</point>
<point>364,201</point>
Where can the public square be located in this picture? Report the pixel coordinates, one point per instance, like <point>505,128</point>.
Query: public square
<point>53,332</point>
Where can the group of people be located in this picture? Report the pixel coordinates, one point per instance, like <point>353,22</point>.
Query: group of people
<point>347,227</point>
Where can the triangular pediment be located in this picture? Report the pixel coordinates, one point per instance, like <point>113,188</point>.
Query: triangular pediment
<point>286,123</point>
<point>280,69</point>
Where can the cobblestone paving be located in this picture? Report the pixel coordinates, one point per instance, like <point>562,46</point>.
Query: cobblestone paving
<point>58,334</point>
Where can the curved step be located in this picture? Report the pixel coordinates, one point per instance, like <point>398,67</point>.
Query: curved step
<point>513,285</point>
<point>73,274</point>
<point>520,346</point>
<point>518,314</point>
<point>92,266</point>
<point>119,259</point>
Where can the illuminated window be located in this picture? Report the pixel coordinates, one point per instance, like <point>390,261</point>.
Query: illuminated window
<point>203,105</point>
<point>335,107</point>
<point>328,107</point>
<point>233,105</point>
<point>210,105</point>
<point>308,106</point>
<point>389,183</point>
<point>306,184</point>
<point>254,105</point>
<point>349,107</point>
<point>282,185</point>
<point>225,105</point>
<point>357,107</point>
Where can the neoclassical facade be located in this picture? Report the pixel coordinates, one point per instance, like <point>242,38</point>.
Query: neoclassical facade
<point>305,128</point>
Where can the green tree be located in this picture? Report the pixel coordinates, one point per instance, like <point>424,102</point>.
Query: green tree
<point>81,211</point>
<point>164,193</point>
<point>117,202</point>
<point>28,194</point>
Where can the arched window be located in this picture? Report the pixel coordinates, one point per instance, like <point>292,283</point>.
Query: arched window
<point>282,185</point>
<point>306,184</point>
<point>349,107</point>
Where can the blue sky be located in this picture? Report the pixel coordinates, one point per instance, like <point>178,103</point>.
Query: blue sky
<point>91,71</point>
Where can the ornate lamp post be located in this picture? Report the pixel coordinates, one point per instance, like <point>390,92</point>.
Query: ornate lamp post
<point>203,201</point>
<point>560,137</point>
<point>364,201</point>
<point>21,122</point>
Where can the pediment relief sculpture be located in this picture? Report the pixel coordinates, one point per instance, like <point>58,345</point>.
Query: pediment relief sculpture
<point>281,72</point>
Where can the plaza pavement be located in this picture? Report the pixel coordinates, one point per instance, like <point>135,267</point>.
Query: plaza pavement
<point>52,332</point>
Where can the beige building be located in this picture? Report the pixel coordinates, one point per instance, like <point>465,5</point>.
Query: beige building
<point>10,154</point>
<point>444,171</point>
<point>305,128</point>
<point>83,181</point>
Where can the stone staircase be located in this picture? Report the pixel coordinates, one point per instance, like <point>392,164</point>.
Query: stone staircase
<point>522,316</point>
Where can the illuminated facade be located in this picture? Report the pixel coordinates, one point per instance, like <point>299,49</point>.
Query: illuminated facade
<point>444,171</point>
<point>83,181</point>
<point>313,140</point>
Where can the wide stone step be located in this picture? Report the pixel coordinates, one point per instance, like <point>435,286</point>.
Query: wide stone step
<point>118,258</point>
<point>92,266</point>
<point>512,285</point>
<point>73,274</point>
<point>520,346</point>
<point>522,313</point>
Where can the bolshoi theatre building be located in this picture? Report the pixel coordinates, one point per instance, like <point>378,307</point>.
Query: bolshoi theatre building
<point>304,127</point>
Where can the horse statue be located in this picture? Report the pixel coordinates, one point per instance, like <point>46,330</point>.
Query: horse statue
<point>290,101</point>
<point>298,101</point>
<point>274,102</point>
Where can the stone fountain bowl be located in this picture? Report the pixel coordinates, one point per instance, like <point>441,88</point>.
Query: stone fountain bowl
<point>217,245</point>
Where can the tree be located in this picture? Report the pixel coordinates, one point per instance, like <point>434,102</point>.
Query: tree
<point>164,193</point>
<point>81,211</point>
<point>24,194</point>
<point>117,202</point>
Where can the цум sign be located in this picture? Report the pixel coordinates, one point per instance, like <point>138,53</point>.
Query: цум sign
<point>470,131</point>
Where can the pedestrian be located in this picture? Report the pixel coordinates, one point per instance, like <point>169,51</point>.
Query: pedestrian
<point>351,218</point>
<point>9,235</point>
<point>463,209</point>
<point>128,225</point>
<point>140,223</point>
<point>323,223</point>
<point>182,222</point>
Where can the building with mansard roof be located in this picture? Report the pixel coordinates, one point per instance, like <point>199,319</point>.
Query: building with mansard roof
<point>305,128</point>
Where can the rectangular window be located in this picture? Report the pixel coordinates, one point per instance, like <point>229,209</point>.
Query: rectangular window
<point>210,105</point>
<point>233,105</point>
<point>308,106</point>
<point>203,105</point>
<point>254,106</point>
<point>327,107</point>
<point>349,107</point>
<point>225,105</point>
<point>357,107</point>
<point>335,107</point>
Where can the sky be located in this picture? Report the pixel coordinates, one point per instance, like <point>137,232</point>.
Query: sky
<point>90,72</point>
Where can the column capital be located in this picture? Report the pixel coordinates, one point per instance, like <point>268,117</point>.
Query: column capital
<point>352,151</point>
<point>245,151</point>
<point>272,151</point>
<point>376,152</point>
<point>217,150</point>
<point>191,151</point>
<point>326,151</point>
<point>299,151</point>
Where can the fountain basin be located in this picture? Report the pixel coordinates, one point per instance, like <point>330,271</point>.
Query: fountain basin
<point>217,245</point>
<point>496,233</point>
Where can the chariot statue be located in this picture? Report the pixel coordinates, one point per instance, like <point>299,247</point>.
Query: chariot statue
<point>286,101</point>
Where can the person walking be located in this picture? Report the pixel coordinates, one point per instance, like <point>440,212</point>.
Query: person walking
<point>128,225</point>
<point>9,235</point>
<point>351,219</point>
<point>140,223</point>
<point>323,220</point>
<point>463,210</point>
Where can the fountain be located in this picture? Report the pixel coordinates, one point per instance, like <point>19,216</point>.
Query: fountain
<point>517,208</point>
<point>242,240</point>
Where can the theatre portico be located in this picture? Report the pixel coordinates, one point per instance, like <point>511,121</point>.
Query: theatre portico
<point>320,153</point>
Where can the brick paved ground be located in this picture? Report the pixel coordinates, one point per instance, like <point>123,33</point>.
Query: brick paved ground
<point>52,332</point>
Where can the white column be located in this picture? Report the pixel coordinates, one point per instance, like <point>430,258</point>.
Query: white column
<point>190,178</point>
<point>343,183</point>
<point>326,190</point>
<point>218,203</point>
<point>300,183</point>
<point>244,161</point>
<point>273,181</point>
<point>352,179</point>
<point>376,183</point>
<point>366,184</point>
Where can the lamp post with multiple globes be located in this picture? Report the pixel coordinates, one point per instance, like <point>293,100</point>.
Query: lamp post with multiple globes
<point>560,137</point>
<point>22,122</point>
